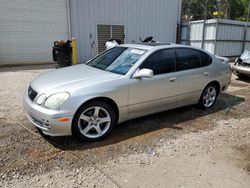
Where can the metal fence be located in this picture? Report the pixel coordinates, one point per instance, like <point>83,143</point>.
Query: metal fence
<point>185,34</point>
<point>221,37</point>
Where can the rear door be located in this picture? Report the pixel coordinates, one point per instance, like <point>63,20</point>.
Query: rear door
<point>193,67</point>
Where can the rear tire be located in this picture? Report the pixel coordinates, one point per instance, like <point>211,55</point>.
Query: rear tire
<point>208,96</point>
<point>94,121</point>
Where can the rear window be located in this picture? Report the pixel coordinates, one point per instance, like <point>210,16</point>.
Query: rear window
<point>205,59</point>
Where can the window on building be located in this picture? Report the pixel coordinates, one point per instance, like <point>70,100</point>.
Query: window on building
<point>106,32</point>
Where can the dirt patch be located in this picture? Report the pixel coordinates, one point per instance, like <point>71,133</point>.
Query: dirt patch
<point>36,154</point>
<point>242,156</point>
<point>239,84</point>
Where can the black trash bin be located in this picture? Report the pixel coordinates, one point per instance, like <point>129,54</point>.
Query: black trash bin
<point>61,53</point>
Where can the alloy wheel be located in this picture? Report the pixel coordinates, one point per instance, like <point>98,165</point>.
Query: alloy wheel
<point>209,96</point>
<point>94,122</point>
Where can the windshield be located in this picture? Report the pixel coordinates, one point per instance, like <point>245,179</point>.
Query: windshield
<point>117,60</point>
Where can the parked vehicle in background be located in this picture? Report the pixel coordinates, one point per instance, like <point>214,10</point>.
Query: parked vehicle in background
<point>122,83</point>
<point>241,67</point>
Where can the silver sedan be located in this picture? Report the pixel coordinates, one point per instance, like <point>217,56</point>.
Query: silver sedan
<point>125,82</point>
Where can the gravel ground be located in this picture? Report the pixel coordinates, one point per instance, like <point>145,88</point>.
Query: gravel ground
<point>185,147</point>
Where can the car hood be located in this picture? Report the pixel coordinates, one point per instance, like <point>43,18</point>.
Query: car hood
<point>69,78</point>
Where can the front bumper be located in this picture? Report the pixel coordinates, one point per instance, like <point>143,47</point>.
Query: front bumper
<point>46,119</point>
<point>241,70</point>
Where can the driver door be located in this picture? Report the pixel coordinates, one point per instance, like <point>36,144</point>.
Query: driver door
<point>151,95</point>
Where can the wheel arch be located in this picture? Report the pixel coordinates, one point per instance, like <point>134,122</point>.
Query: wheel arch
<point>218,87</point>
<point>215,82</point>
<point>107,100</point>
<point>96,99</point>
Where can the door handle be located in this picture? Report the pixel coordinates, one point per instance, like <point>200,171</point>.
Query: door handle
<point>172,79</point>
<point>206,73</point>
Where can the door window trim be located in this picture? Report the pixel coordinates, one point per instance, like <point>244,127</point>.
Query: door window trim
<point>175,48</point>
<point>199,51</point>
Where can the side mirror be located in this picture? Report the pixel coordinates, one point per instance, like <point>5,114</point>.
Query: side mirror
<point>146,73</point>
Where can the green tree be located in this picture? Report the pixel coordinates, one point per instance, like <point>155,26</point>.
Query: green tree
<point>228,9</point>
<point>195,9</point>
<point>238,9</point>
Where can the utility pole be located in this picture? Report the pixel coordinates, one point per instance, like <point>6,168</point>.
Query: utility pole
<point>217,25</point>
<point>246,26</point>
<point>204,26</point>
<point>188,23</point>
<point>219,7</point>
<point>248,11</point>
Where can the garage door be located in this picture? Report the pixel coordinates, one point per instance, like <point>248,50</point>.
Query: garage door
<point>106,32</point>
<point>28,29</point>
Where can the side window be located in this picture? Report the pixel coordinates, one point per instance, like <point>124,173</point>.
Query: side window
<point>187,59</point>
<point>205,59</point>
<point>160,62</point>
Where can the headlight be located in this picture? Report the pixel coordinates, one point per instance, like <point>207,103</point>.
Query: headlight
<point>41,99</point>
<point>56,100</point>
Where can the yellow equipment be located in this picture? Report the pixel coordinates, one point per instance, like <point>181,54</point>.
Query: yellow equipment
<point>74,52</point>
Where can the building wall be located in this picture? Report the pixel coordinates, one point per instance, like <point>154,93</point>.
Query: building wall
<point>141,18</point>
<point>28,29</point>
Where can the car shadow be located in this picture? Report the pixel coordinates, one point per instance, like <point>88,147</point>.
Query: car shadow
<point>171,119</point>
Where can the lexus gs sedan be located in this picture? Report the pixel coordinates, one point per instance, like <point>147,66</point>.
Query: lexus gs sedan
<point>122,83</point>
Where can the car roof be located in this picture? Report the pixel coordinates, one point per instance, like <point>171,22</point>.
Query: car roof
<point>153,45</point>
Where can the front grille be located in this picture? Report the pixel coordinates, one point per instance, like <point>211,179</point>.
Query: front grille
<point>32,93</point>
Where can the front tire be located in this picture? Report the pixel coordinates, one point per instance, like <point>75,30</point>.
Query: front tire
<point>208,96</point>
<point>94,121</point>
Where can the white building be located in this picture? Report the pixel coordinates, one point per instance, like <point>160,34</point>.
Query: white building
<point>28,28</point>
